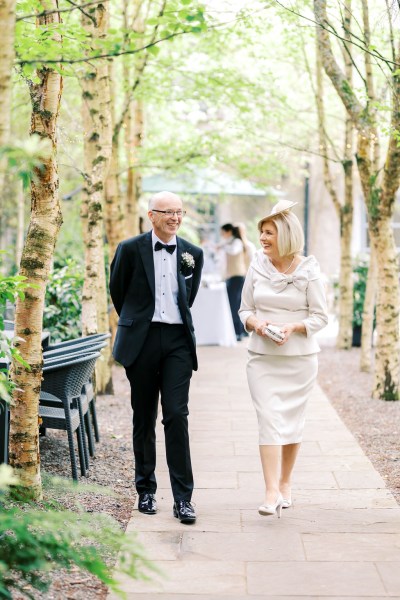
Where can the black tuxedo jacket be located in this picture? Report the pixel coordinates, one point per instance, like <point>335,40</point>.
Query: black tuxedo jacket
<point>132,289</point>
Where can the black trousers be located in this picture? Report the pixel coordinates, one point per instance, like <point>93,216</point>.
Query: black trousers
<point>234,286</point>
<point>163,368</point>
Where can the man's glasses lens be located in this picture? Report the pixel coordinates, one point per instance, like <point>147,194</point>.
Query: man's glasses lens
<point>171,213</point>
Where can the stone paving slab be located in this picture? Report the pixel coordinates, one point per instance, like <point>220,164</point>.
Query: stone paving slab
<point>340,540</point>
<point>343,547</point>
<point>310,519</point>
<point>184,596</point>
<point>322,578</point>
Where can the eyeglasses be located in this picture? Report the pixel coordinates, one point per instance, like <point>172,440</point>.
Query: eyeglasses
<point>170,213</point>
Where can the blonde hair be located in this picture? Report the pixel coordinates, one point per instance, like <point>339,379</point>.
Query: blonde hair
<point>290,233</point>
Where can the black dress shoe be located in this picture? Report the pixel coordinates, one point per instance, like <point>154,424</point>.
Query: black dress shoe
<point>147,504</point>
<point>184,511</point>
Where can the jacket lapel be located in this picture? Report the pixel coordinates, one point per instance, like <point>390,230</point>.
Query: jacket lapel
<point>146,252</point>
<point>181,278</point>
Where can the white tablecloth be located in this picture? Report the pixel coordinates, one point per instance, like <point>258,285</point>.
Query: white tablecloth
<point>212,317</point>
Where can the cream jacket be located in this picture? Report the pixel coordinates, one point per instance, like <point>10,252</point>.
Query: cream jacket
<point>272,296</point>
<point>235,258</point>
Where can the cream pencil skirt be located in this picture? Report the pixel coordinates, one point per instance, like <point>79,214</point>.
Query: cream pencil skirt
<point>280,387</point>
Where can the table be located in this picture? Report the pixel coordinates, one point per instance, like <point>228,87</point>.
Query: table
<point>212,316</point>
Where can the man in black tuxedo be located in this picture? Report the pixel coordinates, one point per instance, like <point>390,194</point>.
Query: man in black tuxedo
<point>154,280</point>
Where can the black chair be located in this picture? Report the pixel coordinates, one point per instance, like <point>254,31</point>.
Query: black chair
<point>77,348</point>
<point>88,390</point>
<point>56,418</point>
<point>62,382</point>
<point>80,349</point>
<point>87,339</point>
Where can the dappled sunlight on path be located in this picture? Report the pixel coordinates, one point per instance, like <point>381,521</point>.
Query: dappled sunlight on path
<point>341,539</point>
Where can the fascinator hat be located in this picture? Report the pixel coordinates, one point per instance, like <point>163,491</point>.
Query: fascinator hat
<point>283,206</point>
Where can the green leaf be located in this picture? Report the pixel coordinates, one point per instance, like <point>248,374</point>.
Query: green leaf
<point>154,50</point>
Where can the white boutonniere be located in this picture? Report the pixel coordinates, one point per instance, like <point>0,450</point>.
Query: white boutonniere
<point>187,260</point>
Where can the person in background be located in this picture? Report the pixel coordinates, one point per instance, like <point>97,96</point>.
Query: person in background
<point>250,247</point>
<point>235,271</point>
<point>282,289</point>
<point>210,265</point>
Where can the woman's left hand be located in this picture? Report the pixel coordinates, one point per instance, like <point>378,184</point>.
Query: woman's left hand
<point>287,329</point>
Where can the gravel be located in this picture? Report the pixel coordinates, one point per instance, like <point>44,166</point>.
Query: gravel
<point>374,423</point>
<point>112,467</point>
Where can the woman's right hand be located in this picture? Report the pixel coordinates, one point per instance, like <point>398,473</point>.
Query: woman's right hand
<point>259,327</point>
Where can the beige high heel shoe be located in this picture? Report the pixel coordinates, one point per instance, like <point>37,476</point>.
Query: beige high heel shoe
<point>270,509</point>
<point>287,502</point>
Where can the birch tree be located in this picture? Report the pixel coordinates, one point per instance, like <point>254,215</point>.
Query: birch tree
<point>96,118</point>
<point>379,186</point>
<point>133,122</point>
<point>45,221</point>
<point>368,314</point>
<point>7,19</point>
<point>114,214</point>
<point>344,208</point>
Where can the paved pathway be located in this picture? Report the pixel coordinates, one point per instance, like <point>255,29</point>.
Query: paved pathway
<point>341,539</point>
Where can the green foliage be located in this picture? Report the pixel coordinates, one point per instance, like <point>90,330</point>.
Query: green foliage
<point>69,41</point>
<point>63,302</point>
<point>360,276</point>
<point>23,157</point>
<point>34,541</point>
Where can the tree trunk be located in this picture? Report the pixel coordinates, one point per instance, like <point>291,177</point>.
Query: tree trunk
<point>345,336</point>
<point>345,333</point>
<point>20,224</point>
<point>379,194</point>
<point>114,217</point>
<point>387,314</point>
<point>380,209</point>
<point>134,136</point>
<point>344,210</point>
<point>7,20</point>
<point>133,119</point>
<point>37,254</point>
<point>97,154</point>
<point>368,314</point>
<point>114,214</point>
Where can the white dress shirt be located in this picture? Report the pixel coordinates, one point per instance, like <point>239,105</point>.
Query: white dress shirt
<point>166,284</point>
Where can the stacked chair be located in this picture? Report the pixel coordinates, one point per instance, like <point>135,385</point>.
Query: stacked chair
<point>67,399</point>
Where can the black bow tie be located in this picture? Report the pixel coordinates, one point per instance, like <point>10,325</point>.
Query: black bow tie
<point>169,248</point>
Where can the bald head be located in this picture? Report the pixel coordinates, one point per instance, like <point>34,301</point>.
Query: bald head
<point>165,213</point>
<point>162,198</point>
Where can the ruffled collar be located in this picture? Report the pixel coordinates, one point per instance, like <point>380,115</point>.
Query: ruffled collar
<point>307,270</point>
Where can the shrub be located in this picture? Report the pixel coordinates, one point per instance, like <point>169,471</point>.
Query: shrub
<point>63,303</point>
<point>36,540</point>
<point>360,275</point>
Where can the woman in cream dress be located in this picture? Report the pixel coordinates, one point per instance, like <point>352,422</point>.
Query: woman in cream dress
<point>284,289</point>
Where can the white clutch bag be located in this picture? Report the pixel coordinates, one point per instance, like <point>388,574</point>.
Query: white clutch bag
<point>273,332</point>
